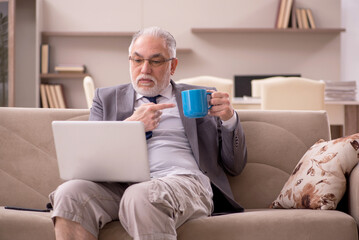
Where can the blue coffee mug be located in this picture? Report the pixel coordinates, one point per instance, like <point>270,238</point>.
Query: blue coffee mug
<point>195,103</point>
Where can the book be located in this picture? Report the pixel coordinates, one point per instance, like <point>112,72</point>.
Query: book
<point>60,96</point>
<point>299,18</point>
<point>280,13</point>
<point>43,97</point>
<point>293,17</point>
<point>304,18</point>
<point>310,18</point>
<point>49,96</point>
<point>288,9</point>
<point>54,96</point>
<point>44,58</point>
<point>70,68</point>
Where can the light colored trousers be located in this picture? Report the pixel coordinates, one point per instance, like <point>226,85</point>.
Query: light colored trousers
<point>147,210</point>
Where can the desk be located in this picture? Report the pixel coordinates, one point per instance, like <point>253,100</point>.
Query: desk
<point>340,113</point>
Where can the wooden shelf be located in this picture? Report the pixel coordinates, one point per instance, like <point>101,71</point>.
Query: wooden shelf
<point>266,30</point>
<point>63,75</point>
<point>47,34</point>
<point>87,34</point>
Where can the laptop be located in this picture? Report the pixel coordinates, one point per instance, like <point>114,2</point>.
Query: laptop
<point>102,151</point>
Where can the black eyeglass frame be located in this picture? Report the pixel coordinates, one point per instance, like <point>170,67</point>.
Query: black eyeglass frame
<point>153,63</point>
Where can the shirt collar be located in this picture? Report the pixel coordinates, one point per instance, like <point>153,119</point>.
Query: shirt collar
<point>167,93</point>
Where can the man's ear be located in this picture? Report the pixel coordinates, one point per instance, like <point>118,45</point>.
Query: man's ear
<point>174,63</point>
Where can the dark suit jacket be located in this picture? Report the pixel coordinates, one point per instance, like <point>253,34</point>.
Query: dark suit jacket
<point>216,150</point>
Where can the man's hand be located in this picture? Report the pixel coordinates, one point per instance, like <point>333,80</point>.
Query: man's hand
<point>149,114</point>
<point>221,105</point>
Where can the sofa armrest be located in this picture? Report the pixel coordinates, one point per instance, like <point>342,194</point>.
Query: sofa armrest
<point>354,194</point>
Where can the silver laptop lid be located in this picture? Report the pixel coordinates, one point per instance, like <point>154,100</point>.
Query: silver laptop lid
<point>113,151</point>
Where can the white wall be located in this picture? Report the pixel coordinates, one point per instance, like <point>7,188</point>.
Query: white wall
<point>315,56</point>
<point>91,15</point>
<point>350,42</point>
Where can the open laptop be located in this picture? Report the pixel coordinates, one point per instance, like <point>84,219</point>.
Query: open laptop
<point>104,151</point>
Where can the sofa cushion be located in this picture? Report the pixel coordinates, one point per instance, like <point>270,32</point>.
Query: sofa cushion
<point>25,225</point>
<point>319,179</point>
<point>294,224</point>
<point>28,165</point>
<point>275,140</point>
<point>279,224</point>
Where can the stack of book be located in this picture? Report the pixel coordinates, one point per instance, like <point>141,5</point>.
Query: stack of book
<point>70,68</point>
<point>52,96</point>
<point>288,16</point>
<point>340,90</point>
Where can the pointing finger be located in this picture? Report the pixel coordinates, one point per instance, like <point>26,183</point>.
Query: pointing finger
<point>161,106</point>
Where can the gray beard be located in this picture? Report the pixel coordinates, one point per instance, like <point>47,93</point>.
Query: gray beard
<point>150,92</point>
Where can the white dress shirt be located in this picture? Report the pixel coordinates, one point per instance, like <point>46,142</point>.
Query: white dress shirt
<point>169,151</point>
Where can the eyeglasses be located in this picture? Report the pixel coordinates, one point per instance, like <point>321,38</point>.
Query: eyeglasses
<point>156,62</point>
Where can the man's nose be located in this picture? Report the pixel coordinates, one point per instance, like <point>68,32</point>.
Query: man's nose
<point>146,67</point>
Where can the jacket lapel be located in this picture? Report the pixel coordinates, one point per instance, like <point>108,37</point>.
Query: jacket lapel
<point>189,124</point>
<point>125,101</point>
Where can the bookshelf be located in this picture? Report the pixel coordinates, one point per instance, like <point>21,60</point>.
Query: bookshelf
<point>73,79</point>
<point>267,30</point>
<point>71,82</point>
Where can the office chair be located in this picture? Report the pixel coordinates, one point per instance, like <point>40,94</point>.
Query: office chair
<point>89,89</point>
<point>291,93</point>
<point>221,84</point>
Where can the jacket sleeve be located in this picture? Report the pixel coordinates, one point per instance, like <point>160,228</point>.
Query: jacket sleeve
<point>96,111</point>
<point>232,148</point>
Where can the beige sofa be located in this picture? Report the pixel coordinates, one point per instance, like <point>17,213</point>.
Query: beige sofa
<point>276,141</point>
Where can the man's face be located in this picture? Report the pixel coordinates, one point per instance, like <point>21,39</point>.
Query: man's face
<point>149,78</point>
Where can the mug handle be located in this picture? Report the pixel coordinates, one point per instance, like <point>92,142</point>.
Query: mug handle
<point>209,106</point>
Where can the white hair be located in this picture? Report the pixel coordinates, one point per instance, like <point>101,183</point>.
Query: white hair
<point>156,32</point>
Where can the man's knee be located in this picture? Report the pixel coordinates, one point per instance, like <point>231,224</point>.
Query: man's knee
<point>73,189</point>
<point>135,194</point>
<point>150,198</point>
<point>140,215</point>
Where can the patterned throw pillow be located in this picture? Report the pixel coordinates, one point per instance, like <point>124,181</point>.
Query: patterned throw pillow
<point>318,181</point>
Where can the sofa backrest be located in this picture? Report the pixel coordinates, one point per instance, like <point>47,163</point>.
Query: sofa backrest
<point>276,141</point>
<point>28,166</point>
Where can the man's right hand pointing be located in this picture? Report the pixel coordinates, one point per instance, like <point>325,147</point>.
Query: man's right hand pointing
<point>149,114</point>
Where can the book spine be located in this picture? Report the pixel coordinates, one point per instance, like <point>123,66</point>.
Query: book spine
<point>299,18</point>
<point>44,100</point>
<point>304,18</point>
<point>54,96</point>
<point>280,14</point>
<point>45,58</point>
<point>310,18</point>
<point>293,16</point>
<point>60,96</point>
<point>288,8</point>
<point>49,96</point>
